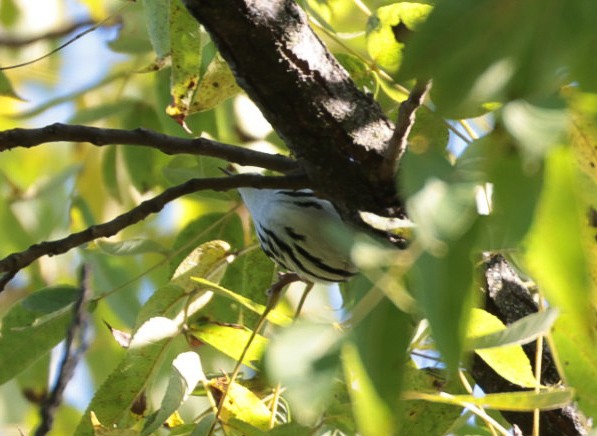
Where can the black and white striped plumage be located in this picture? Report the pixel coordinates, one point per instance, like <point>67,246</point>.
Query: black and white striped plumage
<point>293,228</point>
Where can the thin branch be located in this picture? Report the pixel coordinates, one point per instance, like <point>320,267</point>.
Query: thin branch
<point>20,41</point>
<point>28,138</point>
<point>14,262</point>
<point>75,346</point>
<point>67,43</point>
<point>404,123</point>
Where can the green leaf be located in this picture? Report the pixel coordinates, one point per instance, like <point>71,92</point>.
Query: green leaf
<point>185,42</point>
<point>131,247</point>
<point>509,361</point>
<point>157,18</point>
<point>425,418</point>
<point>509,57</point>
<point>372,414</point>
<point>556,253</point>
<point>115,397</point>
<point>382,338</point>
<point>9,13</point>
<point>516,188</point>
<point>46,211</point>
<point>186,372</point>
<point>274,316</point>
<point>33,327</point>
<point>520,332</point>
<point>243,405</point>
<point>132,34</point>
<point>250,275</point>
<point>575,351</point>
<point>109,173</point>
<point>389,28</point>
<point>208,227</point>
<point>537,126</point>
<point>231,341</point>
<point>217,85</point>
<point>305,359</point>
<point>208,261</point>
<point>525,401</point>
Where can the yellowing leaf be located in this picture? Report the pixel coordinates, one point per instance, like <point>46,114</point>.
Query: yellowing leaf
<point>217,85</point>
<point>244,405</point>
<point>206,261</point>
<point>524,401</point>
<point>509,361</point>
<point>389,28</point>
<point>231,341</point>
<point>185,48</point>
<point>274,316</point>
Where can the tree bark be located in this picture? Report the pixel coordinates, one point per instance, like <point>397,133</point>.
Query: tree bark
<point>337,133</point>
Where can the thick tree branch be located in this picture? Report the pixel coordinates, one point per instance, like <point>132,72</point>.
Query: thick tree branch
<point>338,134</point>
<point>27,138</point>
<point>404,123</point>
<point>14,262</point>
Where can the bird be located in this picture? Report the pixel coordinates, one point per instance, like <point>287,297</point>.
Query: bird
<point>299,232</point>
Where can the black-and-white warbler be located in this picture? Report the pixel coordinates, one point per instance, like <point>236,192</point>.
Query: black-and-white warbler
<point>293,228</point>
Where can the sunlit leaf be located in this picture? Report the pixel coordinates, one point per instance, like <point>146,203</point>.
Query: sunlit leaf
<point>509,361</point>
<point>243,405</point>
<point>388,30</point>
<point>217,85</point>
<point>207,227</point>
<point>275,317</point>
<point>525,401</point>
<point>231,340</point>
<point>520,332</point>
<point>209,261</point>
<point>556,252</point>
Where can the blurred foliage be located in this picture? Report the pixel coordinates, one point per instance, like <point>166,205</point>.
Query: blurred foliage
<point>184,289</point>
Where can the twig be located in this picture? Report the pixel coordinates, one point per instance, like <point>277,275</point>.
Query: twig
<point>28,138</point>
<point>274,293</point>
<point>61,46</point>
<point>74,348</point>
<point>404,123</point>
<point>14,262</point>
<point>20,41</point>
